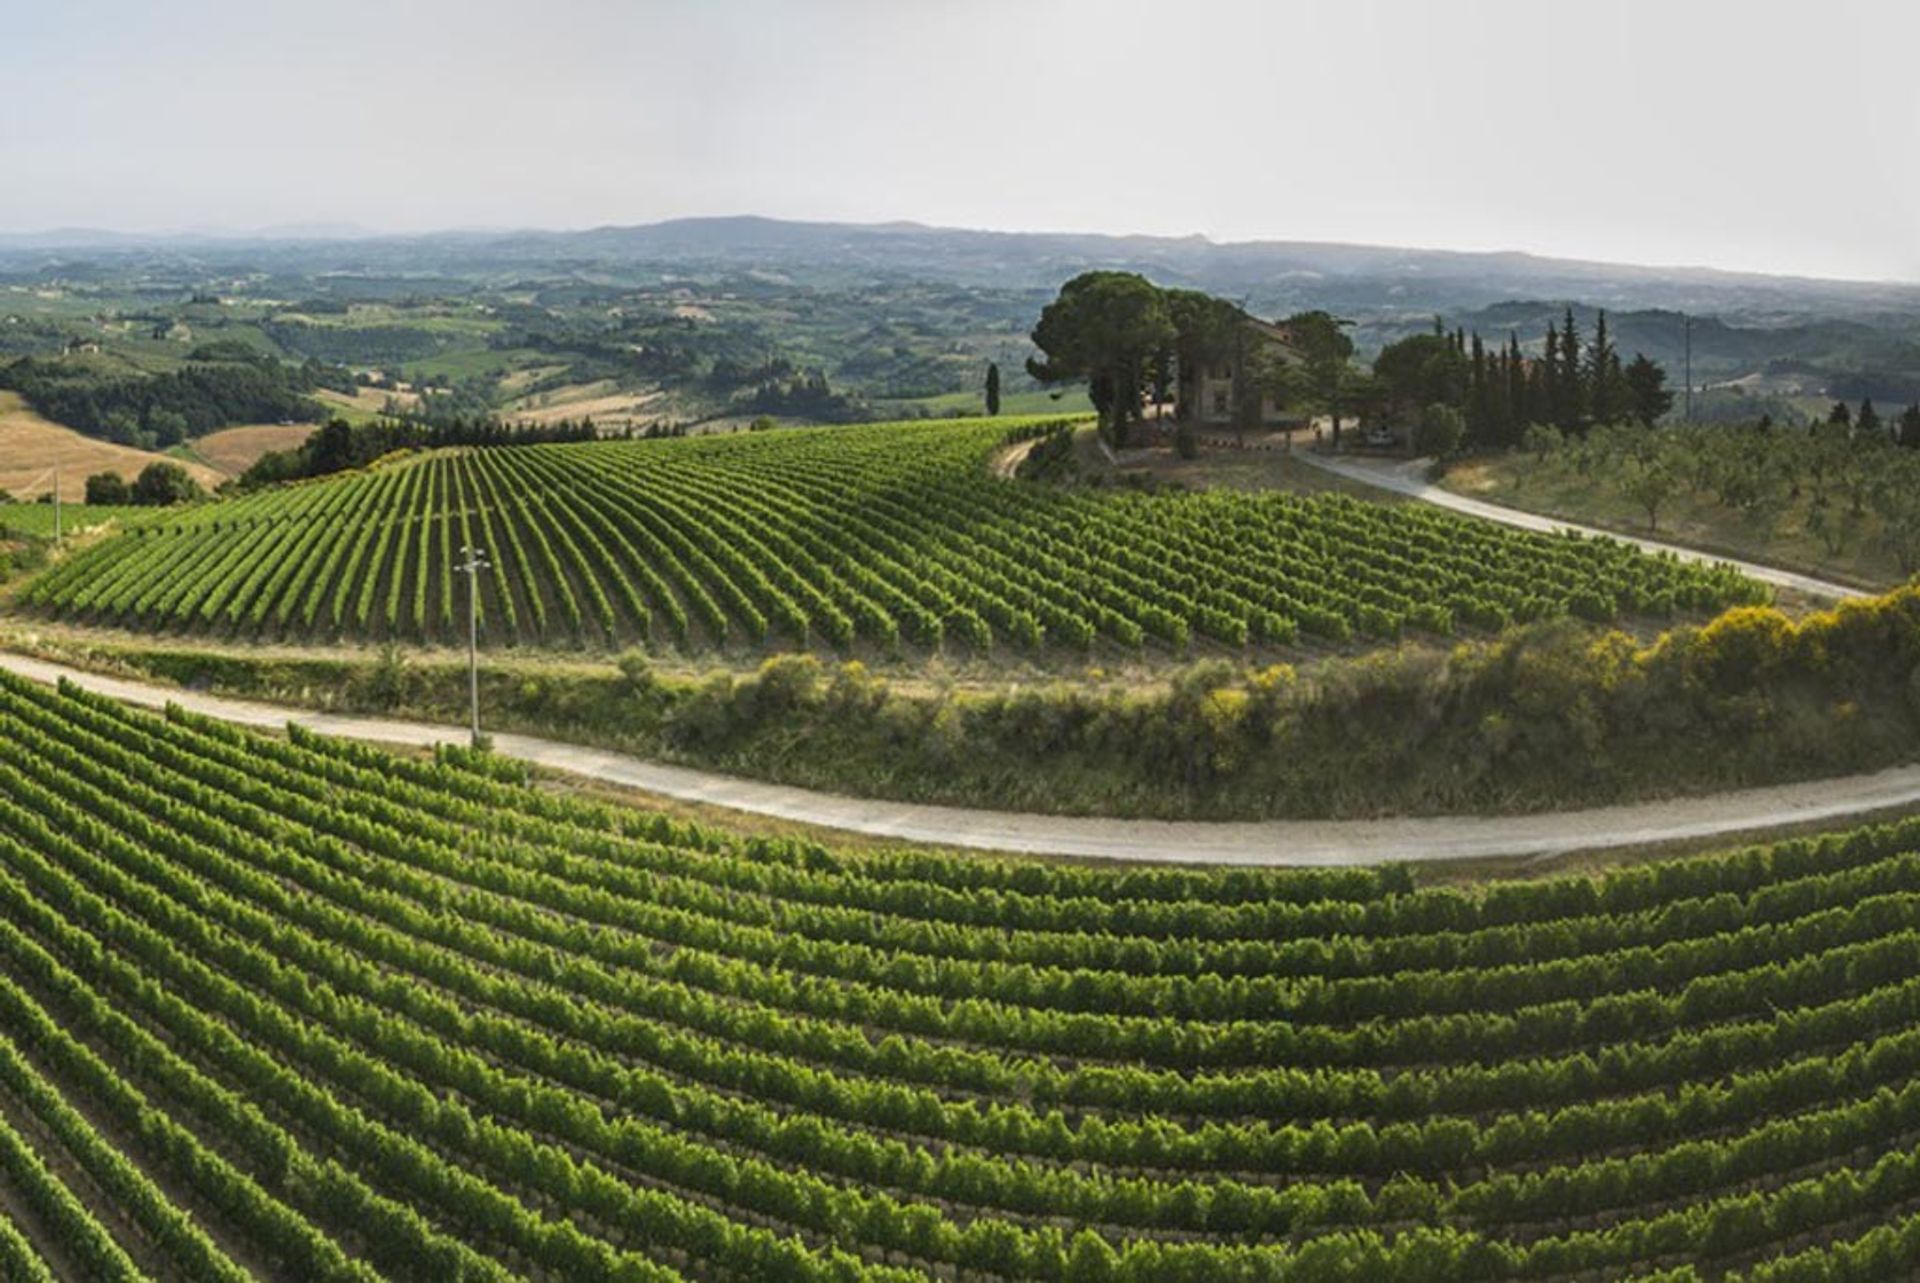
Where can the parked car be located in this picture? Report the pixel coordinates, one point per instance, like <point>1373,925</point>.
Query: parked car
<point>1382,438</point>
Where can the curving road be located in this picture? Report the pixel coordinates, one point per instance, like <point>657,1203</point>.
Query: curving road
<point>1277,842</point>
<point>1408,477</point>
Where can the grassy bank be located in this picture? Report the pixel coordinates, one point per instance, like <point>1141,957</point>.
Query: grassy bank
<point>1784,517</point>
<point>1548,716</point>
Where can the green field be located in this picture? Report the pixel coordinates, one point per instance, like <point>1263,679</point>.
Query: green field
<point>302,1010</point>
<point>36,519</point>
<point>880,535</point>
<point>473,363</point>
<point>712,344</point>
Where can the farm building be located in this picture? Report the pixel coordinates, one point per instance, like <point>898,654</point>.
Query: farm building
<point>1207,391</point>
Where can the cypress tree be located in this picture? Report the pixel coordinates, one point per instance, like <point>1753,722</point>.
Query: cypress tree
<point>1867,422</point>
<point>1551,405</point>
<point>1606,399</point>
<point>1479,404</point>
<point>1645,390</point>
<point>1519,411</point>
<point>993,387</point>
<point>1572,402</point>
<point>1910,427</point>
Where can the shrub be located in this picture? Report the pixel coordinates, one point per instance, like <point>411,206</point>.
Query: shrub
<point>785,684</point>
<point>1741,647</point>
<point>161,484</point>
<point>108,489</point>
<point>1440,430</point>
<point>389,680</point>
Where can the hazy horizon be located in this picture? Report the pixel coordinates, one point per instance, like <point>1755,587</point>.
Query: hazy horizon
<point>350,233</point>
<point>1703,136</point>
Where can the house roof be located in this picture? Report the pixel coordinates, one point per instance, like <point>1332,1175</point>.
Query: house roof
<point>1276,333</point>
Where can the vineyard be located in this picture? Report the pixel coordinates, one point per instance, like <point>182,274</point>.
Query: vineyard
<point>877,535</point>
<point>296,1009</point>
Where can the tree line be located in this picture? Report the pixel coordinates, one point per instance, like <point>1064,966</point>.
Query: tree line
<point>1867,425</point>
<point>1500,391</point>
<point>154,411</point>
<point>807,395</point>
<point>160,485</point>
<point>1131,339</point>
<point>338,445</point>
<point>1128,337</point>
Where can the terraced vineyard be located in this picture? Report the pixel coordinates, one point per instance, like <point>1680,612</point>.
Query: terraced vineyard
<point>302,1010</point>
<point>880,534</point>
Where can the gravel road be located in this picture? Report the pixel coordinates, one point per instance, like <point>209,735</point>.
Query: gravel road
<point>1276,842</point>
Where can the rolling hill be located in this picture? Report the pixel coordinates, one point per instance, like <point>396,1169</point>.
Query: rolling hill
<point>876,535</point>
<point>31,447</point>
<point>303,1009</point>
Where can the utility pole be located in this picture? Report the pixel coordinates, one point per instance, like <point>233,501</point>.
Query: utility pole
<point>475,562</point>
<point>1686,329</point>
<point>56,503</point>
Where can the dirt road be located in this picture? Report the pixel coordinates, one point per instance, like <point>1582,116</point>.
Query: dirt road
<point>1278,842</point>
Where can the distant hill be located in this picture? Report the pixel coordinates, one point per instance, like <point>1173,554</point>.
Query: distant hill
<point>1370,275</point>
<point>899,313</point>
<point>1273,275</point>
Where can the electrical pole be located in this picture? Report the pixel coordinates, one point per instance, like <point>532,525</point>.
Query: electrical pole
<point>56,503</point>
<point>475,562</point>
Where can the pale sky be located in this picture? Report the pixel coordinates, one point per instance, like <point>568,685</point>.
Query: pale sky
<point>1757,135</point>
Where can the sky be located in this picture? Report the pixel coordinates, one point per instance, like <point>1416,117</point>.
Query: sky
<point>1757,135</point>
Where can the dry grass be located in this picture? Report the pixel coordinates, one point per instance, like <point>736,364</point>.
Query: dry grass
<point>234,450</point>
<point>520,380</point>
<point>370,400</point>
<point>1266,464</point>
<point>1775,536</point>
<point>30,447</point>
<point>565,394</point>
<point>599,400</point>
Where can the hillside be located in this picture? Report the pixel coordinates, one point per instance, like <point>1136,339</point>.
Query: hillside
<point>698,320</point>
<point>301,1009</point>
<point>1314,273</point>
<point>31,447</point>
<point>876,536</point>
<point>959,642</point>
<point>231,451</point>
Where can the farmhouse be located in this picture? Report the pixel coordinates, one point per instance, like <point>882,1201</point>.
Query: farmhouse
<point>1207,389</point>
